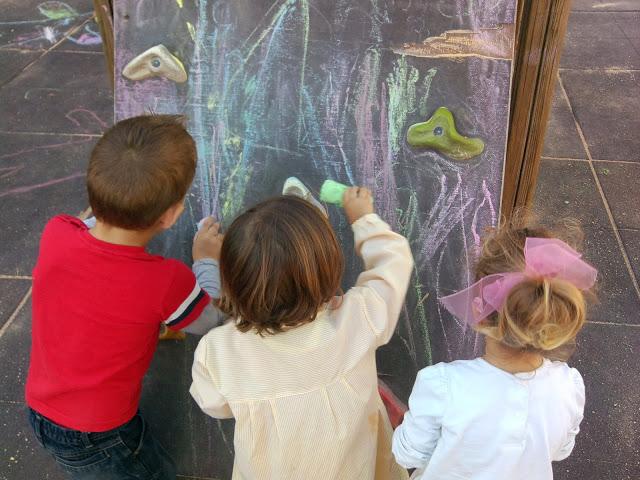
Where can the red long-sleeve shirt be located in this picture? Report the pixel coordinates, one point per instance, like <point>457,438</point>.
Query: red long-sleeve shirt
<point>97,310</point>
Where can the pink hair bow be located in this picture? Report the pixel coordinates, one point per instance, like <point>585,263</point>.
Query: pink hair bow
<point>544,257</point>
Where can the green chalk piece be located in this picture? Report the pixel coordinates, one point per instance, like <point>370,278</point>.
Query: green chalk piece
<point>332,192</point>
<point>439,133</point>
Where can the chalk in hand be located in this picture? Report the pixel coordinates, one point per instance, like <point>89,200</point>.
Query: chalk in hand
<point>332,192</point>
<point>201,222</point>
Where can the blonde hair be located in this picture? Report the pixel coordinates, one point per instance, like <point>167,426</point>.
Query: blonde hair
<point>539,314</point>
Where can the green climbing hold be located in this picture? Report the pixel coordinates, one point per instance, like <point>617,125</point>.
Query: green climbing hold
<point>440,134</point>
<point>332,192</point>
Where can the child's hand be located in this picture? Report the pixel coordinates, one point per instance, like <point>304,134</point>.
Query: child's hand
<point>208,240</point>
<point>358,202</point>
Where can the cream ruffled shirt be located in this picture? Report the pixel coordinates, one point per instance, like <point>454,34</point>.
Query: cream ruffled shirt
<point>305,400</point>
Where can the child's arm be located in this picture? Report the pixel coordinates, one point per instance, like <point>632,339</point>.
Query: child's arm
<point>207,275</point>
<point>210,317</point>
<point>203,389</point>
<point>186,305</point>
<point>570,442</point>
<point>207,272</point>
<point>387,261</point>
<point>415,440</point>
<point>206,252</point>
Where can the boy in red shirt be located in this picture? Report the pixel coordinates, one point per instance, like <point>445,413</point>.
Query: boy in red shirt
<point>99,299</point>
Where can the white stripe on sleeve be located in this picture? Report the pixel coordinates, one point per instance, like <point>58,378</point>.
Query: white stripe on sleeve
<point>184,305</point>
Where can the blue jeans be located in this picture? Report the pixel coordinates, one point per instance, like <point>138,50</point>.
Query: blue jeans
<point>126,452</point>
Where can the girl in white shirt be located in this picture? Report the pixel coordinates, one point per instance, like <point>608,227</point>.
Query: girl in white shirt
<point>296,366</point>
<point>508,414</point>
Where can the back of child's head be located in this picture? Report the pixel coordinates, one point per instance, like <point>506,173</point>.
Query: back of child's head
<point>139,169</point>
<point>280,263</point>
<point>540,313</point>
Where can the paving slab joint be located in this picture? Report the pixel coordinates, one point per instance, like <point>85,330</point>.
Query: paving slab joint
<point>13,316</point>
<point>607,207</point>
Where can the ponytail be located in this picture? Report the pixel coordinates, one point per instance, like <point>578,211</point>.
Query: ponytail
<point>541,314</point>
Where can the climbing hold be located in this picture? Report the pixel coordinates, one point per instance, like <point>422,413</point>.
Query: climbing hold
<point>439,133</point>
<point>156,62</point>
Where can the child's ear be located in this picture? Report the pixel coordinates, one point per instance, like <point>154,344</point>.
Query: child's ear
<point>172,214</point>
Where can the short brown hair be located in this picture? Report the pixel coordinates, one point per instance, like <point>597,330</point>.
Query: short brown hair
<point>280,262</point>
<point>539,314</point>
<point>139,168</point>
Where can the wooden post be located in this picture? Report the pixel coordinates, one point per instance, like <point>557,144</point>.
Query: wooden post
<point>540,29</point>
<point>103,10</point>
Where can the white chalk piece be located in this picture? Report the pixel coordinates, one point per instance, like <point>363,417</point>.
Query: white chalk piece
<point>201,222</point>
<point>90,222</point>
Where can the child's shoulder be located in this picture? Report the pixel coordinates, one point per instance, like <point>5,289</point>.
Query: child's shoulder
<point>445,370</point>
<point>226,345</point>
<point>563,372</point>
<point>224,335</point>
<point>61,223</point>
<point>61,230</point>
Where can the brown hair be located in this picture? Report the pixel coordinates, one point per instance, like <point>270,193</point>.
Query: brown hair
<point>280,262</point>
<point>539,314</point>
<point>140,168</point>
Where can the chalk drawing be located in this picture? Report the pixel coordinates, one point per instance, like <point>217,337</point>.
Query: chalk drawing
<point>48,183</point>
<point>88,37</point>
<point>72,116</point>
<point>320,89</point>
<point>8,171</point>
<point>46,147</point>
<point>57,10</point>
<point>56,20</point>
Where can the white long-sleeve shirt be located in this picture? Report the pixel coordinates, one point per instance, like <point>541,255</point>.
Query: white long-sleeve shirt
<point>305,400</point>
<point>470,420</point>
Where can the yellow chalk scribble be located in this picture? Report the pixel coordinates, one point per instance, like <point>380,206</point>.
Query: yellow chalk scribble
<point>192,31</point>
<point>211,102</point>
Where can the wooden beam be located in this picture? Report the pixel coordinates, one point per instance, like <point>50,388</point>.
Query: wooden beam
<point>540,30</point>
<point>103,10</point>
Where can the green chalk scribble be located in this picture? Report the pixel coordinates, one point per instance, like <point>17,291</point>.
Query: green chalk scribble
<point>402,99</point>
<point>57,10</point>
<point>211,102</point>
<point>233,141</point>
<point>426,85</point>
<point>407,225</point>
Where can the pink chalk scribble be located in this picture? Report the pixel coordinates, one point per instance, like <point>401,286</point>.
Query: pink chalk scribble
<point>45,147</point>
<point>486,199</point>
<point>93,116</point>
<point>487,195</point>
<point>8,171</point>
<point>29,188</point>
